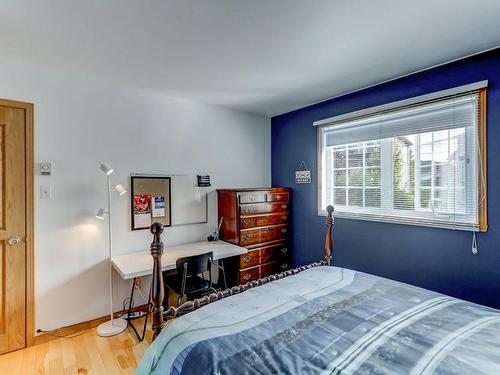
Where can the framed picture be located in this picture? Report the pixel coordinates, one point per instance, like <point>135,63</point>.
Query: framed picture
<point>151,201</point>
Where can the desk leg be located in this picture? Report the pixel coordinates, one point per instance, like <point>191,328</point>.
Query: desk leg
<point>129,320</point>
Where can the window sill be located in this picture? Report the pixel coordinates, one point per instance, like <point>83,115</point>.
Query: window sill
<point>407,221</point>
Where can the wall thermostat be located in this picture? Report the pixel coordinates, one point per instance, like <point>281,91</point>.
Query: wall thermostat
<point>45,169</point>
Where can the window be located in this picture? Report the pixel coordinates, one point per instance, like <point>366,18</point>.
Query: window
<point>420,161</point>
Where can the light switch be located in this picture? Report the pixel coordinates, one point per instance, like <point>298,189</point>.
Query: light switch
<point>45,192</point>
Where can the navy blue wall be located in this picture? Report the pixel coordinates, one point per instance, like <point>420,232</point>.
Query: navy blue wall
<point>437,259</point>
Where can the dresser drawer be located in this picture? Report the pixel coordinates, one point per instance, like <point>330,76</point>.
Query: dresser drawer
<point>253,236</point>
<point>249,274</point>
<point>277,197</point>
<point>249,237</point>
<point>250,259</point>
<point>274,253</point>
<point>262,221</point>
<point>263,208</point>
<point>257,197</point>
<point>273,268</point>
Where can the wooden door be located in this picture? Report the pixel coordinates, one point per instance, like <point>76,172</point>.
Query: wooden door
<point>12,228</point>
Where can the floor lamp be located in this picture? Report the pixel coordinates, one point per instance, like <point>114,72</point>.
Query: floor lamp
<point>112,326</point>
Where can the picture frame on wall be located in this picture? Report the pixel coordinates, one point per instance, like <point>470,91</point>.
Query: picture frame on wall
<point>151,201</point>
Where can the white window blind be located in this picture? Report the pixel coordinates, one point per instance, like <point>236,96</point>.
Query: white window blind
<point>416,164</point>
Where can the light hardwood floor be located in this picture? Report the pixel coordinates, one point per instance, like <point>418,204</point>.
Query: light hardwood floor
<point>81,354</point>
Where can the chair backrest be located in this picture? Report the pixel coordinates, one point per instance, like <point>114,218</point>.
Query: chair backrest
<point>196,264</point>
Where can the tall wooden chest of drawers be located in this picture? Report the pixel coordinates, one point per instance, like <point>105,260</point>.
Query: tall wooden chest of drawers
<point>258,220</point>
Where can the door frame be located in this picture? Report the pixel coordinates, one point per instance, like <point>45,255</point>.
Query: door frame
<point>30,217</point>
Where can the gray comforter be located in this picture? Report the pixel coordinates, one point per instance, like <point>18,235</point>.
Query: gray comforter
<point>330,320</point>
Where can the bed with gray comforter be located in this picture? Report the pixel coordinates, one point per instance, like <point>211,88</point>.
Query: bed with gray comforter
<point>330,320</point>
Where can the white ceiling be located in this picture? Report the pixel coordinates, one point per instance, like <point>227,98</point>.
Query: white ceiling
<point>260,56</point>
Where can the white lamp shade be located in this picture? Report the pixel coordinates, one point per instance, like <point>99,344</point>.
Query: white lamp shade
<point>100,214</point>
<point>120,189</point>
<point>106,168</point>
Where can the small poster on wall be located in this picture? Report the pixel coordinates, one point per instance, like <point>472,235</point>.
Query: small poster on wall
<point>142,210</point>
<point>303,175</point>
<point>158,206</point>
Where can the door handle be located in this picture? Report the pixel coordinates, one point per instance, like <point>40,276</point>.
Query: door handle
<point>14,240</point>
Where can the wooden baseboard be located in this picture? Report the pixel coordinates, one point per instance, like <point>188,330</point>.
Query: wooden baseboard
<point>78,327</point>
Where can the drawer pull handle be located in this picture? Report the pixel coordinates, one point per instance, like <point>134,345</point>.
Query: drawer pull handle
<point>247,277</point>
<point>246,222</point>
<point>284,250</point>
<point>246,237</point>
<point>277,197</point>
<point>247,259</point>
<point>246,209</point>
<point>284,217</point>
<point>284,266</point>
<point>283,206</point>
<point>253,197</point>
<point>283,230</point>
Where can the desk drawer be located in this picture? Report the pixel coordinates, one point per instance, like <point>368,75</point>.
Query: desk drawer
<point>257,197</point>
<point>253,236</point>
<point>263,208</point>
<point>249,274</point>
<point>250,259</point>
<point>262,221</point>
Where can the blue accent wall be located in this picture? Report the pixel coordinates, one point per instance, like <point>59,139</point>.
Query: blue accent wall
<point>437,259</point>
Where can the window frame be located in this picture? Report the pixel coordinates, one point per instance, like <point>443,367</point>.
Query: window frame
<point>432,221</point>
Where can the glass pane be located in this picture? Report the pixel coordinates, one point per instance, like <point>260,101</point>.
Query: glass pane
<point>372,156</point>
<point>372,197</point>
<point>403,173</point>
<point>339,196</point>
<point>356,197</point>
<point>355,157</point>
<point>372,177</point>
<point>425,198</point>
<point>356,177</point>
<point>425,173</point>
<point>339,159</point>
<point>339,179</point>
<point>426,146</point>
<point>443,200</point>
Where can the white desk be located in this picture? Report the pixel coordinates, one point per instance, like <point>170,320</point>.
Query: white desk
<point>140,263</point>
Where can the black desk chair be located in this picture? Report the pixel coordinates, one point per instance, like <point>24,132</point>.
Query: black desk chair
<point>188,282</point>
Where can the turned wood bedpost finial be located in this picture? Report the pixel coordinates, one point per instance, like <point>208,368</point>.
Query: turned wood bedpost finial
<point>157,288</point>
<point>329,239</point>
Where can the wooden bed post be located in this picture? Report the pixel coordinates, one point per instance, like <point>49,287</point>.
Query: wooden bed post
<point>157,288</point>
<point>328,238</point>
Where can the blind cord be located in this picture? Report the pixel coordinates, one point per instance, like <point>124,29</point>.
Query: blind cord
<point>474,243</point>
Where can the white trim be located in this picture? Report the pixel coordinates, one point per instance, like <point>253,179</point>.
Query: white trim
<point>401,220</point>
<point>403,103</point>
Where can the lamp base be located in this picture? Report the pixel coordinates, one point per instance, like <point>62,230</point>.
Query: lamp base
<point>112,327</point>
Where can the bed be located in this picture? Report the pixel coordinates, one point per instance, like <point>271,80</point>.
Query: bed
<point>321,319</point>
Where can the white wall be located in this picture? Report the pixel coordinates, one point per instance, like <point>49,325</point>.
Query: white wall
<point>80,120</point>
